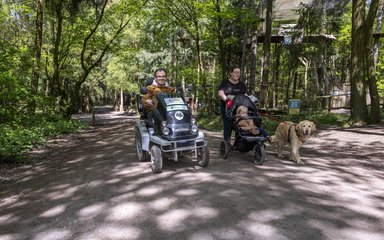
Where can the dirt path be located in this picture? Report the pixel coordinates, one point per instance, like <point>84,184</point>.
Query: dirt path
<point>90,186</point>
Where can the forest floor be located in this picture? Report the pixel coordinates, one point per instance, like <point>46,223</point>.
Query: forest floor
<point>89,185</point>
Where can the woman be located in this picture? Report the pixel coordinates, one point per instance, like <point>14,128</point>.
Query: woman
<point>231,86</point>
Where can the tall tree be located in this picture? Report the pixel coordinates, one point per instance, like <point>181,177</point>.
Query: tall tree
<point>188,15</point>
<point>358,93</point>
<point>266,57</point>
<point>371,64</point>
<point>38,45</point>
<point>90,57</point>
<point>361,26</point>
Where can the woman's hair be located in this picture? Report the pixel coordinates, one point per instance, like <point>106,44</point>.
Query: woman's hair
<point>241,109</point>
<point>233,67</point>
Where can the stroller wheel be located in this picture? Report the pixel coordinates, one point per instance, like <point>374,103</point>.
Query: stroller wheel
<point>224,149</point>
<point>203,157</point>
<point>260,154</point>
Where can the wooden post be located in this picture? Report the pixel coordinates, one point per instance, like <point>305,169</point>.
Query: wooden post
<point>93,117</point>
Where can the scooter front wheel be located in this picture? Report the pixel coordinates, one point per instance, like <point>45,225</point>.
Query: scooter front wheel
<point>156,159</point>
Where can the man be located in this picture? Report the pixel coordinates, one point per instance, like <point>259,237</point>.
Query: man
<point>159,85</point>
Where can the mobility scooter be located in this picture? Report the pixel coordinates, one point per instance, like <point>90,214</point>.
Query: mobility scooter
<point>168,131</point>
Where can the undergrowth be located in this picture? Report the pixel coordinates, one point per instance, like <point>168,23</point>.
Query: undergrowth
<point>19,136</point>
<point>321,119</point>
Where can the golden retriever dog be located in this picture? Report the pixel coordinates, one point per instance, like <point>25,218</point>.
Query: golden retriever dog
<point>295,135</point>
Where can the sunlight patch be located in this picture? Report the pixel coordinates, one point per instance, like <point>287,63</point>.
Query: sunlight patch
<point>69,192</point>
<point>226,233</point>
<point>173,220</point>
<point>187,192</point>
<point>91,211</point>
<point>8,218</point>
<point>162,203</point>
<point>9,237</point>
<point>112,181</point>
<point>230,193</point>
<point>263,230</point>
<point>114,232</point>
<point>149,191</point>
<point>55,211</point>
<point>205,212</point>
<point>53,234</point>
<point>199,236</point>
<point>126,211</point>
<point>95,183</point>
<point>76,160</point>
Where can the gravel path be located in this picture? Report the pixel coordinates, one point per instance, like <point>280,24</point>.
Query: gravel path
<point>90,186</point>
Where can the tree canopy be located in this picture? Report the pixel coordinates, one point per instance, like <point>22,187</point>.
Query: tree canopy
<point>61,56</point>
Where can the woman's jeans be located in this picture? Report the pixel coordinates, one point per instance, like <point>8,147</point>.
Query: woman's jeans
<point>227,123</point>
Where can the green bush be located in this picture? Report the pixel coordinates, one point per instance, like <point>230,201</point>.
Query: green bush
<point>19,136</point>
<point>212,123</point>
<point>321,119</point>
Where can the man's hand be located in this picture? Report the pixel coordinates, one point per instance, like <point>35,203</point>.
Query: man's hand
<point>148,103</point>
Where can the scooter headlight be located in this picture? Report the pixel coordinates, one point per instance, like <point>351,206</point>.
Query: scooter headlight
<point>194,129</point>
<point>165,131</point>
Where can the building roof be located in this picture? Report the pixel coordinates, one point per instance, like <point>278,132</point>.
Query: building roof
<point>286,9</point>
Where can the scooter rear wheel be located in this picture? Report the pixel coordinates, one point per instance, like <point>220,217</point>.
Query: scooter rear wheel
<point>203,157</point>
<point>142,155</point>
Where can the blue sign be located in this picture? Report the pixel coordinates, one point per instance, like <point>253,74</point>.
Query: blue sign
<point>294,106</point>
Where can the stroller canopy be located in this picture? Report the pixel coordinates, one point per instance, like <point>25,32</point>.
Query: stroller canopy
<point>243,100</point>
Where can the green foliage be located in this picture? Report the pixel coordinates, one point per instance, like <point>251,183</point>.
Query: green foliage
<point>18,137</point>
<point>210,122</point>
<point>321,119</point>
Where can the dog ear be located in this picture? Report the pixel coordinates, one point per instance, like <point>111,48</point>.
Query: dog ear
<point>313,127</point>
<point>299,127</point>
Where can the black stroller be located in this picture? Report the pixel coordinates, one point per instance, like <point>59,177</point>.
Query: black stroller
<point>245,141</point>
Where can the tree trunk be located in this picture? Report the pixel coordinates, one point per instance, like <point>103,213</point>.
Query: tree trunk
<point>38,45</point>
<point>253,58</point>
<point>325,78</point>
<point>371,66</point>
<point>244,38</point>
<point>121,100</point>
<point>378,30</point>
<point>267,51</point>
<point>359,110</point>
<point>275,77</point>
<point>252,66</point>
<point>220,38</point>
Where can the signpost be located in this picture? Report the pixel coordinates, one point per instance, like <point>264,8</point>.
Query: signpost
<point>294,106</point>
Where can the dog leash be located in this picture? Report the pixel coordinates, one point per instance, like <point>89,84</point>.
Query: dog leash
<point>289,132</point>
